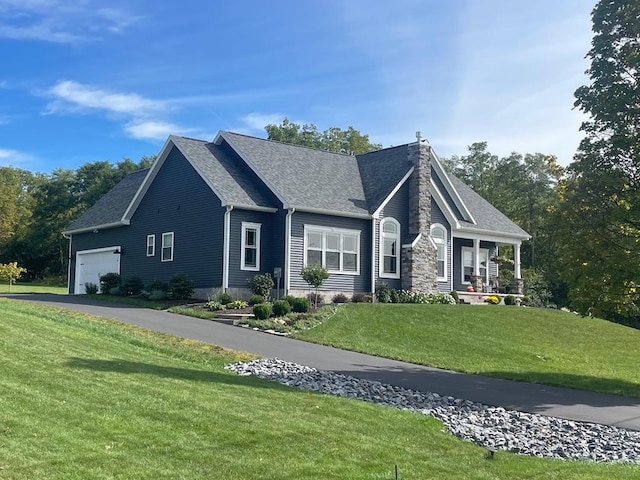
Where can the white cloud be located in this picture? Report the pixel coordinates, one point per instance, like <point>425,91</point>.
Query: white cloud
<point>257,121</point>
<point>72,95</point>
<point>153,130</point>
<point>11,157</point>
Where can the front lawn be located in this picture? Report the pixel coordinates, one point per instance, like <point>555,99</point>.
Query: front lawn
<point>33,288</point>
<point>87,398</point>
<point>529,344</point>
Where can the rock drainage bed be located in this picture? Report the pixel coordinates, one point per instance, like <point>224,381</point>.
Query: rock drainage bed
<point>492,427</point>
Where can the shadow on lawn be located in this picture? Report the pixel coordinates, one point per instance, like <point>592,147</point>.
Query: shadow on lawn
<point>129,367</point>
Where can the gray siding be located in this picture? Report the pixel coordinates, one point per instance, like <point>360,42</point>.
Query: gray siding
<point>438,217</point>
<point>271,245</point>
<point>335,282</point>
<point>178,201</point>
<point>458,243</point>
<point>445,193</point>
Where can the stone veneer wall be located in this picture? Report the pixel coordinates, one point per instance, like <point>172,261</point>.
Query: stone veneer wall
<point>419,263</point>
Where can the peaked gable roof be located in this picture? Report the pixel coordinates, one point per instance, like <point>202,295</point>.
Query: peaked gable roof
<point>109,210</point>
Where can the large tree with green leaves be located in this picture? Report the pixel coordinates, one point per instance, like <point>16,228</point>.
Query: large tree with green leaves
<point>601,210</point>
<point>334,139</point>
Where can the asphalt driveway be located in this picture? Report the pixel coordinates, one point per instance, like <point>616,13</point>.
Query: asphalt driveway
<point>553,401</point>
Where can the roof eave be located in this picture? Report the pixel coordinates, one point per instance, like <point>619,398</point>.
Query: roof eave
<point>94,228</point>
<point>450,188</point>
<point>335,213</point>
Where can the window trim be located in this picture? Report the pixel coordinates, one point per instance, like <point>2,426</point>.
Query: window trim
<point>439,226</point>
<point>335,231</point>
<point>151,244</point>
<point>397,237</point>
<point>470,249</point>
<point>164,245</point>
<point>250,226</point>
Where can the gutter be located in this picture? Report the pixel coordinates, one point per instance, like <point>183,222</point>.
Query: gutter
<point>287,250</point>
<point>225,253</point>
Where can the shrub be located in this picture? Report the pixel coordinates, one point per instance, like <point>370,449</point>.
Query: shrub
<point>256,299</point>
<point>395,296</point>
<point>360,297</point>
<point>225,298</point>
<point>156,295</point>
<point>108,281</point>
<point>131,286</point>
<point>509,300</point>
<point>405,296</point>
<point>288,298</point>
<point>281,308</point>
<point>339,298</point>
<point>213,306</point>
<point>261,284</point>
<point>158,285</point>
<point>300,305</point>
<point>237,305</point>
<point>316,299</point>
<point>383,293</point>
<point>261,311</point>
<point>180,287</point>
<point>454,294</point>
<point>115,291</point>
<point>314,275</point>
<point>90,288</point>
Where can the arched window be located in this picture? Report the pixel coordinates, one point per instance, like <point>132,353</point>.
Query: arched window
<point>439,237</point>
<point>389,248</point>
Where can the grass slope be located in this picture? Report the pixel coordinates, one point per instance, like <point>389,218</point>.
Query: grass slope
<point>33,288</point>
<point>530,344</point>
<point>86,398</point>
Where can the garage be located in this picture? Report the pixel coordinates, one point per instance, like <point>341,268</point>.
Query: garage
<point>91,264</point>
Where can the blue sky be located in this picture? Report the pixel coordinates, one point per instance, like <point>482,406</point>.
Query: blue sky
<point>87,80</point>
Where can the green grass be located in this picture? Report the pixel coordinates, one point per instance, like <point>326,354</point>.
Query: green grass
<point>33,288</point>
<point>529,344</point>
<point>86,398</point>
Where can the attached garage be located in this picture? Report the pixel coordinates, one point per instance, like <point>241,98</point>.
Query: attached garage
<point>91,264</point>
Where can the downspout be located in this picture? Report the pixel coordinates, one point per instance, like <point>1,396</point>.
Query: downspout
<point>373,259</point>
<point>70,238</point>
<point>287,250</point>
<point>226,242</point>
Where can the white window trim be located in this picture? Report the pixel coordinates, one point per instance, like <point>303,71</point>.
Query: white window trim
<point>172,245</point>
<point>253,226</point>
<point>470,249</point>
<point>398,236</point>
<point>151,244</point>
<point>446,249</point>
<point>339,231</point>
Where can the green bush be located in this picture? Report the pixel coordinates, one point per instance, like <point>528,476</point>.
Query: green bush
<point>115,291</point>
<point>256,299</point>
<point>237,305</point>
<point>131,286</point>
<point>360,297</point>
<point>383,293</point>
<point>261,284</point>
<point>395,296</point>
<point>180,287</point>
<point>454,294</point>
<point>90,288</point>
<point>225,298</point>
<point>281,308</point>
<point>213,306</point>
<point>288,298</point>
<point>109,281</point>
<point>158,285</point>
<point>157,295</point>
<point>509,300</point>
<point>261,311</point>
<point>339,298</point>
<point>300,305</point>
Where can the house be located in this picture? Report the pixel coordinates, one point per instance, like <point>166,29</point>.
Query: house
<point>226,210</point>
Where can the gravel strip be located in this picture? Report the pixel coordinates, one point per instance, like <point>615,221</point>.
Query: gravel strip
<point>492,427</point>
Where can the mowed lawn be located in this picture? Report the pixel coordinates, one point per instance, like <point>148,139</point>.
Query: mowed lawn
<point>33,288</point>
<point>86,398</point>
<point>530,344</point>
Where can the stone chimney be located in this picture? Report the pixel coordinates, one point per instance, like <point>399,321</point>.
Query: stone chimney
<point>419,258</point>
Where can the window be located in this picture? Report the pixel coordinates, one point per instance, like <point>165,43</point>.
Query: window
<point>250,254</point>
<point>439,237</point>
<point>335,249</point>
<point>389,251</point>
<point>167,247</point>
<point>468,263</point>
<point>151,245</point>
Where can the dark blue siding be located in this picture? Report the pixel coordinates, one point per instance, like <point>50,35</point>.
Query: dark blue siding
<point>458,243</point>
<point>438,217</point>
<point>271,244</point>
<point>178,201</point>
<point>398,208</point>
<point>447,198</point>
<point>335,282</point>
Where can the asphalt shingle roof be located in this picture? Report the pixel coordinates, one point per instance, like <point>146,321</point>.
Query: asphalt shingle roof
<point>112,206</point>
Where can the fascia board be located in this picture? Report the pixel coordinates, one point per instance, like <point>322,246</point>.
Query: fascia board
<point>334,213</point>
<point>450,188</point>
<point>444,206</point>
<point>384,203</point>
<point>490,236</point>
<point>104,226</point>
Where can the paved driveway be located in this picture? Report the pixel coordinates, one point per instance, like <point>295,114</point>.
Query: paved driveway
<point>559,402</point>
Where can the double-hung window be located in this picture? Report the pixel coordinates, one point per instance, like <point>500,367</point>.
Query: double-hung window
<point>337,250</point>
<point>167,247</point>
<point>468,263</point>
<point>389,250</point>
<point>439,237</point>
<point>151,245</point>
<point>250,254</point>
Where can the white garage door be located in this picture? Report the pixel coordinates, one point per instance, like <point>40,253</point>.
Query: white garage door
<point>90,264</point>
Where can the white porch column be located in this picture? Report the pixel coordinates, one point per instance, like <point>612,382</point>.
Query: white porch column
<point>516,261</point>
<point>476,257</point>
